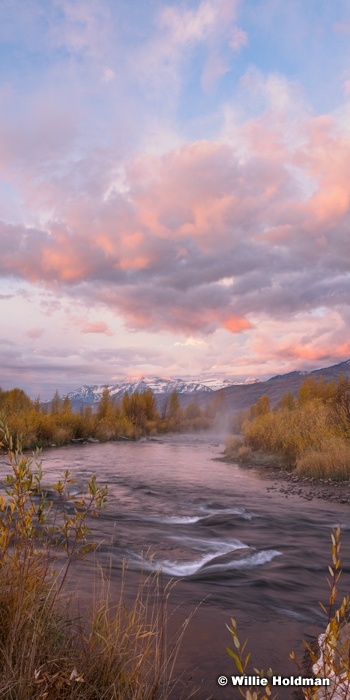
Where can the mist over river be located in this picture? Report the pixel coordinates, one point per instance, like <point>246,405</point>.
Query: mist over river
<point>236,547</point>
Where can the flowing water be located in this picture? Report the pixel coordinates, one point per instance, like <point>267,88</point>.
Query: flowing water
<point>237,549</point>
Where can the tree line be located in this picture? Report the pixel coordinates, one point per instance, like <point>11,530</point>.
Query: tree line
<point>133,416</point>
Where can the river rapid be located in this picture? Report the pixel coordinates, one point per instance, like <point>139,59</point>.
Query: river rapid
<point>235,548</point>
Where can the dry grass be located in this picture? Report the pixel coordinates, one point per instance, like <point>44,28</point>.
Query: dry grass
<point>306,435</point>
<point>232,445</point>
<point>244,453</point>
<point>330,462</point>
<point>115,652</point>
<point>47,650</point>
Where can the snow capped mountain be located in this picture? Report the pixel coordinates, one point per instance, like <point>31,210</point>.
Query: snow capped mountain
<point>90,394</point>
<point>216,384</point>
<point>238,394</point>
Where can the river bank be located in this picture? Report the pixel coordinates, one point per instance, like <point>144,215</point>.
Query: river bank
<point>308,488</point>
<point>288,483</point>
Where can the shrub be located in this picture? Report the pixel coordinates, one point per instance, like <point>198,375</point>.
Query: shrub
<point>232,446</point>
<point>311,433</point>
<point>290,433</point>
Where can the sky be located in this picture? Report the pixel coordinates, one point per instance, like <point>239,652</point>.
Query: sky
<point>174,189</point>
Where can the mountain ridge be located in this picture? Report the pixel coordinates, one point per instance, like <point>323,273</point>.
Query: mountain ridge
<point>161,386</point>
<point>234,395</point>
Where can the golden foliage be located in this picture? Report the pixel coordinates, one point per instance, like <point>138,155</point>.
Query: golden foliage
<point>137,415</point>
<point>311,433</point>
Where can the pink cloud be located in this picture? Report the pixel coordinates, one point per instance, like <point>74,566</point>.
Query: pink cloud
<point>214,68</point>
<point>342,27</point>
<point>82,27</point>
<point>317,337</point>
<point>181,30</point>
<point>174,311</point>
<point>35,333</point>
<point>274,220</point>
<point>325,158</point>
<point>235,324</point>
<point>319,352</point>
<point>96,327</point>
<point>238,40</point>
<point>210,19</point>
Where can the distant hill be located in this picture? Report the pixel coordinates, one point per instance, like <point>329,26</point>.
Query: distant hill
<point>236,398</point>
<point>233,396</point>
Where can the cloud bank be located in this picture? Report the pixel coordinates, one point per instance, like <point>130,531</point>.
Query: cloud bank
<point>275,222</point>
<point>175,174</point>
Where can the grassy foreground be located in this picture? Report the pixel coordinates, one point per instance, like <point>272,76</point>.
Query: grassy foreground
<point>47,650</point>
<point>309,433</point>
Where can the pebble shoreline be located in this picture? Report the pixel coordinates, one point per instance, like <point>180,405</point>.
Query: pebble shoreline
<point>287,483</point>
<point>309,488</point>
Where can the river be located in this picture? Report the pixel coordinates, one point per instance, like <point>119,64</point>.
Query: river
<point>173,505</point>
